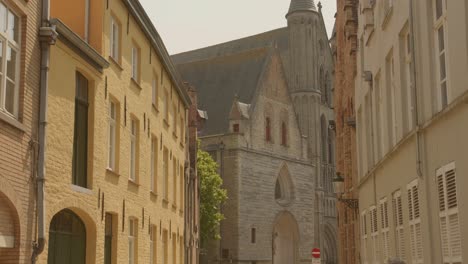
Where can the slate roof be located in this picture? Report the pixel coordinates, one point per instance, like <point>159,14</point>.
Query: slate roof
<point>301,5</point>
<point>219,79</point>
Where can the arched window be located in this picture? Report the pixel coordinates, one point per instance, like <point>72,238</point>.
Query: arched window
<point>284,191</point>
<point>284,134</point>
<point>67,239</point>
<point>268,129</point>
<point>80,138</point>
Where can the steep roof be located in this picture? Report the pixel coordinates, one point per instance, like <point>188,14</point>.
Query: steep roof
<point>219,79</point>
<point>301,5</point>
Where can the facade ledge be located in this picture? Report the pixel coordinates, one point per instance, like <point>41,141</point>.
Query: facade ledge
<point>115,63</point>
<point>155,108</point>
<point>134,183</point>
<point>166,124</point>
<point>153,194</point>
<point>80,189</point>
<point>387,16</point>
<point>165,201</point>
<point>136,84</point>
<point>82,48</point>
<point>12,121</point>
<point>112,172</point>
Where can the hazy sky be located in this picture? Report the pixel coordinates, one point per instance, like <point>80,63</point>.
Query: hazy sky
<point>190,24</point>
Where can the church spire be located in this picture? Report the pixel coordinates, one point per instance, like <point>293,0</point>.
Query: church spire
<point>301,5</point>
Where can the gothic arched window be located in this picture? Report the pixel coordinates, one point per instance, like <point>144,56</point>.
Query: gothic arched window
<point>284,134</point>
<point>284,190</point>
<point>268,129</point>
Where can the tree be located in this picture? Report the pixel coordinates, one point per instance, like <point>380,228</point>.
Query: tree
<point>212,196</point>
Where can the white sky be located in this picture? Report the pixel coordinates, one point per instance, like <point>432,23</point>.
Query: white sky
<point>190,24</point>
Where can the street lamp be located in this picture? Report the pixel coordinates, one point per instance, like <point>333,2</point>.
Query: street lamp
<point>338,183</point>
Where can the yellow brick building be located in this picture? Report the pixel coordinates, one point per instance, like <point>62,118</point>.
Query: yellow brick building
<point>116,139</point>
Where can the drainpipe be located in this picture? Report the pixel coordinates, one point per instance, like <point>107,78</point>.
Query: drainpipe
<point>47,36</point>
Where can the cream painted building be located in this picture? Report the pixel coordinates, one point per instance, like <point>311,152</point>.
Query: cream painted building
<point>116,139</point>
<point>411,111</point>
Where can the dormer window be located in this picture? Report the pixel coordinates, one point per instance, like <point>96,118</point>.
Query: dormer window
<point>235,128</point>
<point>268,129</point>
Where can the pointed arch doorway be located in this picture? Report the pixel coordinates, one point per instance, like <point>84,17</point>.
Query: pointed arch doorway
<point>285,239</point>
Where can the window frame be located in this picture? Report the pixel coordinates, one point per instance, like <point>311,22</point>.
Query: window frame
<point>136,63</point>
<point>165,174</point>
<point>414,223</point>
<point>112,144</point>
<point>154,165</point>
<point>441,23</point>
<point>154,89</point>
<point>134,144</point>
<point>81,102</point>
<point>153,238</point>
<point>15,45</point>
<point>132,240</point>
<point>385,229</point>
<point>398,218</point>
<point>115,42</point>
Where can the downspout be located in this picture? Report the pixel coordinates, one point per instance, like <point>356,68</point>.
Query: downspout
<point>47,36</point>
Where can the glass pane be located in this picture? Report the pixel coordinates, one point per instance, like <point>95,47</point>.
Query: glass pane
<point>438,8</point>
<point>81,87</point>
<point>441,38</point>
<point>112,110</point>
<point>444,95</point>
<point>11,63</point>
<point>10,97</point>
<point>13,28</point>
<point>3,17</point>
<point>80,154</point>
<point>443,72</point>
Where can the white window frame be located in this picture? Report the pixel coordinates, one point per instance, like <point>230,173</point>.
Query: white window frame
<point>132,235</point>
<point>385,229</point>
<point>415,229</point>
<point>399,225</point>
<point>374,234</point>
<point>7,41</point>
<point>133,149</point>
<point>449,222</point>
<point>115,39</point>
<point>135,63</point>
<point>112,135</point>
<point>439,23</point>
<point>364,237</point>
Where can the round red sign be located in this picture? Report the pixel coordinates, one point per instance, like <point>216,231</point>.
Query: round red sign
<point>316,253</point>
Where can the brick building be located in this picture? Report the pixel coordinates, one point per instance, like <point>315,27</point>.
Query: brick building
<point>19,105</point>
<point>344,46</point>
<point>116,147</point>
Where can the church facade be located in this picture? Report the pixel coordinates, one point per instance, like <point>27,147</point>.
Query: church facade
<point>268,100</point>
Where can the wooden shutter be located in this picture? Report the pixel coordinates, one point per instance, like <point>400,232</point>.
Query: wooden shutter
<point>448,215</point>
<point>415,223</point>
<point>398,220</point>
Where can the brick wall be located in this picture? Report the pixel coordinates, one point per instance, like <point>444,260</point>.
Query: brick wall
<point>17,200</point>
<point>346,156</point>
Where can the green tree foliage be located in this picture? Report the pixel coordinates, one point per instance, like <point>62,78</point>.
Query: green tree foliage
<point>212,196</point>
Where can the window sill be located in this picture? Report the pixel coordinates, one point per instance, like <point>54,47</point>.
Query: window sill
<point>136,83</point>
<point>80,189</point>
<point>387,16</point>
<point>174,135</point>
<point>153,194</point>
<point>112,172</point>
<point>181,212</point>
<point>182,145</point>
<point>166,124</point>
<point>165,201</point>
<point>12,121</point>
<point>155,107</point>
<point>134,183</point>
<point>174,207</point>
<point>116,63</point>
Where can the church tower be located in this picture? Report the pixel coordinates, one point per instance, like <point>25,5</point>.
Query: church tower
<point>303,20</point>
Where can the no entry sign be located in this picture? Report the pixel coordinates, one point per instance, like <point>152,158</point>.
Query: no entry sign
<point>316,253</point>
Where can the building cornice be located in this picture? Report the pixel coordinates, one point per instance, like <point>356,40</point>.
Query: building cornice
<point>71,39</point>
<point>138,12</point>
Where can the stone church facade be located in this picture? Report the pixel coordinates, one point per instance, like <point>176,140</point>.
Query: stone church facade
<point>270,127</point>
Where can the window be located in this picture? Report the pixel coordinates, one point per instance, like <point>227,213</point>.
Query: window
<point>268,129</point>
<point>253,238</point>
<point>374,235</point>
<point>407,94</point>
<point>166,172</point>
<point>112,135</point>
<point>379,116</point>
<point>174,183</point>
<point>415,223</point>
<point>115,40</point>
<point>448,215</point>
<point>392,123</point>
<point>182,189</point>
<point>135,63</point>
<point>166,106</point>
<point>134,150</point>
<point>182,129</point>
<point>153,246</point>
<point>165,248</point>
<point>174,249</point>
<point>154,87</point>
<point>80,138</point>
<point>235,128</point>
<point>181,251</point>
<point>385,229</point>
<point>174,119</point>
<point>284,134</point>
<point>132,240</point>
<point>398,220</point>
<point>9,60</point>
<point>109,235</point>
<point>154,165</point>
<point>440,26</point>
<point>364,236</point>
